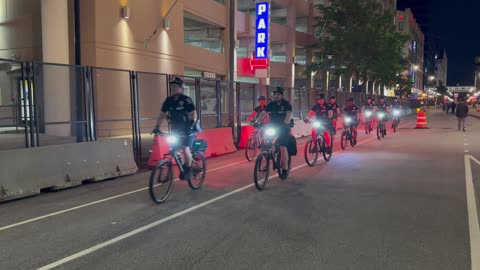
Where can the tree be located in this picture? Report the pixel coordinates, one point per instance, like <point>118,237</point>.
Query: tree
<point>367,46</point>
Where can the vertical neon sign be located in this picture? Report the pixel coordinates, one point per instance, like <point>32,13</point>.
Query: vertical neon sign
<point>262,27</point>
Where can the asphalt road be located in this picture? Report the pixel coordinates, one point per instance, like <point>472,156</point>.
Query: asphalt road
<point>401,203</point>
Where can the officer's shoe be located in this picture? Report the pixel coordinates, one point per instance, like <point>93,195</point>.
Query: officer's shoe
<point>187,173</point>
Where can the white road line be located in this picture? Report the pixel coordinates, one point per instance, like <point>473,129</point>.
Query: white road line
<point>466,151</point>
<point>474,227</point>
<point>161,221</point>
<point>118,196</point>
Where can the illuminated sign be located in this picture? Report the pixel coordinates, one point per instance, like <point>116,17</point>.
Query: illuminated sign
<point>261,27</point>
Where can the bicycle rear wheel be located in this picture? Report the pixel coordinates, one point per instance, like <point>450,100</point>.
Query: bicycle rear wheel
<point>262,171</point>
<point>311,152</point>
<point>199,171</point>
<point>251,149</point>
<point>367,127</point>
<point>379,132</point>
<point>161,182</point>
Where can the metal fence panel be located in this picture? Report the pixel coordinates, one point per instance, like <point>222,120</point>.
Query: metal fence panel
<point>59,103</point>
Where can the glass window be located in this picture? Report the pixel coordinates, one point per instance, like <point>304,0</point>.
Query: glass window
<point>200,33</point>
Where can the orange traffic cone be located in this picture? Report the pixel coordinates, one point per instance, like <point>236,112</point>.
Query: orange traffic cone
<point>156,155</point>
<point>421,120</point>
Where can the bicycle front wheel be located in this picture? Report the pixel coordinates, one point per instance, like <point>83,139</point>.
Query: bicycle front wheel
<point>327,155</point>
<point>379,132</point>
<point>262,171</point>
<point>281,174</point>
<point>161,182</point>
<point>251,149</point>
<point>199,171</point>
<point>311,152</point>
<point>344,140</point>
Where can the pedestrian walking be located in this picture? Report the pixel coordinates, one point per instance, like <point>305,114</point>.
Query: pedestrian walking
<point>454,105</point>
<point>462,114</point>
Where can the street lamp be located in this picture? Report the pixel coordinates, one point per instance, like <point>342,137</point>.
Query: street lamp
<point>415,67</point>
<point>431,78</point>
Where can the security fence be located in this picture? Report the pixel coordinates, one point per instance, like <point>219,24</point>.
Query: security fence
<point>45,104</point>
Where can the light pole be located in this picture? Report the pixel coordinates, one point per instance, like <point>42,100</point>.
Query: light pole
<point>329,68</point>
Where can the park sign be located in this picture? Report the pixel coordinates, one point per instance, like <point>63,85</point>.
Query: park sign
<point>262,25</point>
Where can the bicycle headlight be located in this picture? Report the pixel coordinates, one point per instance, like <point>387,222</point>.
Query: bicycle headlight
<point>270,132</point>
<point>368,114</point>
<point>172,139</point>
<point>348,120</point>
<point>317,124</point>
<point>396,112</point>
<point>381,115</point>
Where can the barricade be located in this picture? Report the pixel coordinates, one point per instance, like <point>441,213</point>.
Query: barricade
<point>220,141</point>
<point>245,134</point>
<point>25,172</point>
<point>421,120</point>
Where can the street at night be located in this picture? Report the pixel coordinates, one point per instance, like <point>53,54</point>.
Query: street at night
<point>399,203</point>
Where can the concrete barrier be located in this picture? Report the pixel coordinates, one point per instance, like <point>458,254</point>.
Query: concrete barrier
<point>25,172</point>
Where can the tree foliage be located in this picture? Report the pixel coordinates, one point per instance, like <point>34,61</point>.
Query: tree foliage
<point>362,40</point>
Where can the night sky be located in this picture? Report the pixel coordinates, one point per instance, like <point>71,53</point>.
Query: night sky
<point>455,26</point>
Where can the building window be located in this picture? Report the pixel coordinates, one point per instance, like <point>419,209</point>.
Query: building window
<point>401,26</point>
<point>199,33</point>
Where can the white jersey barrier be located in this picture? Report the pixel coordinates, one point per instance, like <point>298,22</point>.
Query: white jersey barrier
<point>25,172</point>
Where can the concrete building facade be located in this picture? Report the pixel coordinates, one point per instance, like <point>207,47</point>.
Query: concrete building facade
<point>414,48</point>
<point>441,68</point>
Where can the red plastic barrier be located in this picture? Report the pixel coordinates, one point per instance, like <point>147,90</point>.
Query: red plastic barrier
<point>159,148</point>
<point>246,132</point>
<point>220,141</point>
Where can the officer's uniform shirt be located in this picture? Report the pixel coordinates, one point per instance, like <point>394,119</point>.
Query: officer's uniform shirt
<point>321,111</point>
<point>352,111</point>
<point>334,108</point>
<point>369,107</point>
<point>178,110</point>
<point>278,111</point>
<point>382,107</point>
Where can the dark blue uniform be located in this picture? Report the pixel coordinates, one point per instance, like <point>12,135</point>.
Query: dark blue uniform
<point>352,112</point>
<point>278,112</point>
<point>321,114</point>
<point>178,108</point>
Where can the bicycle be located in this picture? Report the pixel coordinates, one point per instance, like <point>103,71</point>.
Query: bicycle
<point>270,152</point>
<point>368,122</point>
<point>317,144</point>
<point>396,120</point>
<point>347,134</point>
<point>381,130</point>
<point>161,176</point>
<point>254,142</point>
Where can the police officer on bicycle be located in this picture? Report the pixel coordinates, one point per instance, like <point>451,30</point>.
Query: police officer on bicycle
<point>280,112</point>
<point>323,112</point>
<point>383,107</point>
<point>352,111</point>
<point>336,112</point>
<point>179,109</point>
<point>396,106</point>
<point>368,107</point>
<point>259,109</point>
